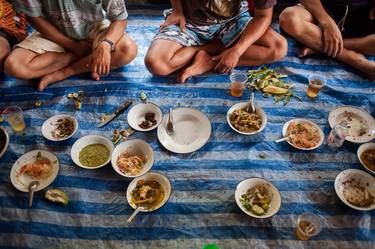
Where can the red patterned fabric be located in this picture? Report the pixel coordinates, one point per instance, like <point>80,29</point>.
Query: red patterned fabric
<point>11,23</point>
<point>251,7</point>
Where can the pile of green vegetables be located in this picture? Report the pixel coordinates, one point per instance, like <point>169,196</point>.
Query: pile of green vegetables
<point>271,83</point>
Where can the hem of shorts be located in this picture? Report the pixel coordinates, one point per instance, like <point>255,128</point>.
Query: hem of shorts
<point>237,35</point>
<point>175,40</point>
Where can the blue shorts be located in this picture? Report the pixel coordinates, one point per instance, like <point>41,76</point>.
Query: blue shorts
<point>226,32</point>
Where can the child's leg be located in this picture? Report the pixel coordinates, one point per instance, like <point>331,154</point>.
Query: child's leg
<point>25,64</point>
<point>4,51</point>
<point>126,51</point>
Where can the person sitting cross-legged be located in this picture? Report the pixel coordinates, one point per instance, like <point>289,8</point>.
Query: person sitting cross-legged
<point>214,35</point>
<point>71,37</point>
<point>12,29</point>
<point>344,30</point>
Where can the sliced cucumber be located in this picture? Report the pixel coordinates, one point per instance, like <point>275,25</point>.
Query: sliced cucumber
<point>57,196</point>
<point>257,210</point>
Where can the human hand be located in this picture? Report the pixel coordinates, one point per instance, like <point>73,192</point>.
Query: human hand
<point>333,43</point>
<point>371,14</point>
<point>100,61</point>
<point>175,18</point>
<point>227,61</point>
<point>82,48</point>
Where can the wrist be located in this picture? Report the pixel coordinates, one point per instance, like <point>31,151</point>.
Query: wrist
<point>107,45</point>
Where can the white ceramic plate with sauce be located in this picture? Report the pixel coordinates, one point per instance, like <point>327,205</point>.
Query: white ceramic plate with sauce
<point>361,123</point>
<point>22,181</point>
<point>192,131</point>
<point>88,140</point>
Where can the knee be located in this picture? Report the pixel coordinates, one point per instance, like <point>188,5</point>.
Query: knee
<point>156,65</point>
<point>128,50</point>
<point>14,67</point>
<point>279,49</point>
<point>290,21</point>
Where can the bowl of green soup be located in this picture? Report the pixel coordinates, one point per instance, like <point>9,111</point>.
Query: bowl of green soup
<point>92,151</point>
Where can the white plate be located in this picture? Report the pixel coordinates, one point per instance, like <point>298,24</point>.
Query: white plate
<point>164,182</point>
<point>22,182</point>
<point>363,148</point>
<point>302,120</point>
<point>137,114</point>
<point>359,119</point>
<point>258,110</point>
<point>193,129</point>
<point>363,178</point>
<point>49,126</point>
<point>85,141</point>
<point>249,183</point>
<point>2,130</point>
<point>135,147</point>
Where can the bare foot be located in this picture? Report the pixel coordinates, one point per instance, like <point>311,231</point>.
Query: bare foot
<point>51,78</point>
<point>303,52</point>
<point>202,63</point>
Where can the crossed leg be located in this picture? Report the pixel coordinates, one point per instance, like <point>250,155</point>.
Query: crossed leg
<point>270,48</point>
<point>53,67</point>
<point>165,57</point>
<point>299,23</point>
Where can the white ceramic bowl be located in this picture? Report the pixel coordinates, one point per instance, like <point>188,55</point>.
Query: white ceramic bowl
<point>137,114</point>
<point>135,147</point>
<point>164,182</point>
<point>85,141</point>
<point>363,148</point>
<point>249,183</point>
<point>302,120</point>
<point>258,110</point>
<point>49,126</point>
<point>5,133</point>
<point>362,178</point>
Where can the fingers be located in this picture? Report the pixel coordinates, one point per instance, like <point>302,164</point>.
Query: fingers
<point>165,23</point>
<point>183,25</point>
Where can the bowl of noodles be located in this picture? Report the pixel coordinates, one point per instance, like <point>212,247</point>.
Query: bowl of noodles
<point>132,158</point>
<point>244,122</point>
<point>303,134</point>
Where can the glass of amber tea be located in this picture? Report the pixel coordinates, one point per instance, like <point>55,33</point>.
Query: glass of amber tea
<point>238,81</point>
<point>14,116</point>
<point>308,225</point>
<point>316,83</point>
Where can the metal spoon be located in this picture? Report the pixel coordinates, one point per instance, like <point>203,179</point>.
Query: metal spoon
<point>251,107</point>
<point>32,187</point>
<point>170,125</point>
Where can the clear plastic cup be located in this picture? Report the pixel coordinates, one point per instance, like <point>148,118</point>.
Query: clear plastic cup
<point>238,81</point>
<point>316,83</point>
<point>308,225</point>
<point>14,116</point>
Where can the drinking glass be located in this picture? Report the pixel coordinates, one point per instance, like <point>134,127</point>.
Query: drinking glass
<point>14,116</point>
<point>308,225</point>
<point>316,83</point>
<point>238,81</point>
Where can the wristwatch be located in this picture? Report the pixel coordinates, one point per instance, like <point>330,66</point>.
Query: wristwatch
<point>110,43</point>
